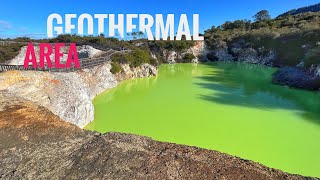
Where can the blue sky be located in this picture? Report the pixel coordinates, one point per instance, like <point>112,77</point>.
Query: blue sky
<point>29,18</point>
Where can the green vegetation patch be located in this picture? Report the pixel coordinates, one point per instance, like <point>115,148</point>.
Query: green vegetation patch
<point>290,37</point>
<point>8,52</point>
<point>188,58</point>
<point>115,68</point>
<point>172,45</point>
<point>312,57</point>
<point>135,58</point>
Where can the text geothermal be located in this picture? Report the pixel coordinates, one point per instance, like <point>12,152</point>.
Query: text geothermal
<point>146,22</point>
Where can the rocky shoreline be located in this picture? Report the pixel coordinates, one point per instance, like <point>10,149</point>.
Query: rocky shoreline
<point>60,150</point>
<point>241,51</point>
<point>287,75</point>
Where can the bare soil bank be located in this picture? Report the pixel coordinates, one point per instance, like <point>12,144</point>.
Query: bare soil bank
<point>34,143</point>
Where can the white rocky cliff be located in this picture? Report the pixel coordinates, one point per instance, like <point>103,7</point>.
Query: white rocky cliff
<point>68,95</point>
<point>199,50</point>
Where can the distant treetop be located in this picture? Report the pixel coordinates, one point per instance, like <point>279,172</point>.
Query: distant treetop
<point>262,16</point>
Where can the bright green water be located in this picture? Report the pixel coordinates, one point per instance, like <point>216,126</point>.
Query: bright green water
<point>232,108</point>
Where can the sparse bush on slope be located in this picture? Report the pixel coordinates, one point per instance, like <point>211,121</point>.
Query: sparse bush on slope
<point>115,68</point>
<point>312,57</point>
<point>8,52</point>
<point>289,37</point>
<point>188,58</point>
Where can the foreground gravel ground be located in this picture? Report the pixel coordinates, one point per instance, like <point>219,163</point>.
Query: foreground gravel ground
<point>35,144</point>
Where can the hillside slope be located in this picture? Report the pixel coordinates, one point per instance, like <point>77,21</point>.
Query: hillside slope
<point>312,8</point>
<point>292,41</point>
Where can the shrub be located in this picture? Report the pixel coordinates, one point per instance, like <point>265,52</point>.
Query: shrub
<point>82,40</point>
<point>115,68</point>
<point>154,62</point>
<point>262,16</point>
<point>134,59</point>
<point>188,57</point>
<point>8,52</point>
<point>212,56</point>
<point>121,58</point>
<point>172,45</point>
<point>317,83</point>
<point>312,57</point>
<point>139,57</point>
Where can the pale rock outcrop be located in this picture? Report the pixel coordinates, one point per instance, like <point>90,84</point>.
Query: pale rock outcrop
<point>87,51</point>
<point>268,59</point>
<point>315,70</point>
<point>223,55</point>
<point>144,70</point>
<point>253,56</point>
<point>67,95</point>
<point>170,56</point>
<point>153,55</point>
<point>199,50</point>
<point>242,52</point>
<point>248,55</point>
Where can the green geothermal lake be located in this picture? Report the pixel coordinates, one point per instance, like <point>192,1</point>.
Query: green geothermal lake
<point>228,107</point>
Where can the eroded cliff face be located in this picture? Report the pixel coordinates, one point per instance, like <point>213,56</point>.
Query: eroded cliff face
<point>241,52</point>
<point>199,50</point>
<point>236,52</point>
<point>68,95</point>
<point>315,70</point>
